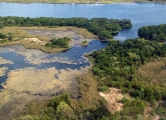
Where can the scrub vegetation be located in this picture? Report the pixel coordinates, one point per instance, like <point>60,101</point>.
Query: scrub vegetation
<point>58,43</point>
<point>136,66</point>
<point>117,65</point>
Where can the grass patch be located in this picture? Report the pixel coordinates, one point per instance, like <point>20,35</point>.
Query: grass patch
<point>154,72</point>
<point>84,43</point>
<point>103,88</point>
<point>59,43</point>
<point>19,33</point>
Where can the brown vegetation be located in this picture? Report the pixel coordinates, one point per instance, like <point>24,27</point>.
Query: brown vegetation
<point>21,34</point>
<point>154,72</point>
<point>3,70</point>
<point>29,84</point>
<point>88,91</point>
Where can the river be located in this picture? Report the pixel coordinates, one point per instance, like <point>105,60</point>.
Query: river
<point>141,14</point>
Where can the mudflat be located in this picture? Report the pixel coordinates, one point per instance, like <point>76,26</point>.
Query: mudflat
<point>28,84</point>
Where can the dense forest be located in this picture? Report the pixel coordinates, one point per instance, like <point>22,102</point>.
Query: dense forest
<point>152,32</point>
<point>102,27</point>
<point>118,64</point>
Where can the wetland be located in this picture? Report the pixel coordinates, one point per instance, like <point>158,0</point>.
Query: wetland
<point>31,74</point>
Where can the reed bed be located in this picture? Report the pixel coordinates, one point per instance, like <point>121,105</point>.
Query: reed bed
<point>19,33</point>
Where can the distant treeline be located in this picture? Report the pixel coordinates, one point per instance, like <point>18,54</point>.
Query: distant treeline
<point>102,27</point>
<point>153,32</point>
<point>117,65</point>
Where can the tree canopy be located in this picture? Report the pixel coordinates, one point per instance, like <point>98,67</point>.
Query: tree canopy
<point>118,62</point>
<point>102,27</point>
<point>152,32</point>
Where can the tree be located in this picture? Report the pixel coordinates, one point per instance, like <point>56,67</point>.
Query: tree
<point>64,112</point>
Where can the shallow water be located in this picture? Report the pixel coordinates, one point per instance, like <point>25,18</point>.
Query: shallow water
<point>73,58</point>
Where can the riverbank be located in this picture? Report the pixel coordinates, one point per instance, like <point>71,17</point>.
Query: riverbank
<point>37,37</point>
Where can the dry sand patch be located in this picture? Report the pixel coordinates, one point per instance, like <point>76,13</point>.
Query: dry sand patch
<point>36,40</point>
<point>112,96</point>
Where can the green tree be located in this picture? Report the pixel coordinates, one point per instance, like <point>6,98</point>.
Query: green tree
<point>64,112</point>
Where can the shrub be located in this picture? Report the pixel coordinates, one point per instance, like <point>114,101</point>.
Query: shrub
<point>103,88</point>
<point>2,36</point>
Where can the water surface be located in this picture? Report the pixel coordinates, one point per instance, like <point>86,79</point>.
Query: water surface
<point>72,59</point>
<point>140,14</point>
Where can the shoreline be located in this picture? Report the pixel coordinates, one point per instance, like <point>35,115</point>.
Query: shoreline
<point>88,2</point>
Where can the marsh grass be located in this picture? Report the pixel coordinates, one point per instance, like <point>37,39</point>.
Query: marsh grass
<point>90,99</point>
<point>89,95</point>
<point>84,32</point>
<point>154,72</point>
<point>19,33</point>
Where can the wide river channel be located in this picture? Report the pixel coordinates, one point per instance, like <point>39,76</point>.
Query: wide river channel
<point>141,14</point>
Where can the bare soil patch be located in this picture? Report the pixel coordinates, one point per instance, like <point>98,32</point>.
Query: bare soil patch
<point>36,40</point>
<point>112,96</point>
<point>148,114</point>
